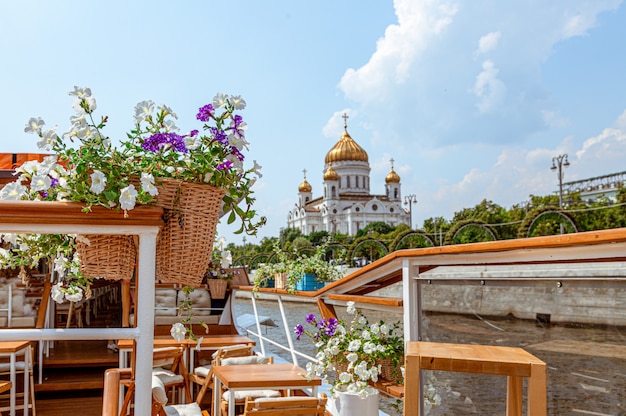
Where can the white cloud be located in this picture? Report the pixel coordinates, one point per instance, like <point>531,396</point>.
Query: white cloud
<point>334,125</point>
<point>488,43</point>
<point>608,146</point>
<point>489,88</point>
<point>393,61</point>
<point>621,121</point>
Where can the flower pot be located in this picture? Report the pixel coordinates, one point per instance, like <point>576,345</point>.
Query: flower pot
<point>280,280</point>
<point>309,282</point>
<point>349,404</point>
<point>217,287</point>
<point>110,257</point>
<point>185,243</point>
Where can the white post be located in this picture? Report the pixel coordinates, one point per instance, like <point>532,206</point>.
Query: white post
<point>144,316</point>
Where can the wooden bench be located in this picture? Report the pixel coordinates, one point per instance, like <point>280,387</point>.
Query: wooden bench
<point>515,363</point>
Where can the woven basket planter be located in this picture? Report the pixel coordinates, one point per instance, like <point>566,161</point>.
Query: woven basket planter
<point>110,257</point>
<point>217,287</point>
<point>185,243</point>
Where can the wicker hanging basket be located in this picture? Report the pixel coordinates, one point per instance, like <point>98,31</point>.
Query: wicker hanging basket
<point>217,287</point>
<point>110,257</point>
<point>185,243</point>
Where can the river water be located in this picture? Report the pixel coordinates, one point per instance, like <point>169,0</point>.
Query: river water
<point>586,363</point>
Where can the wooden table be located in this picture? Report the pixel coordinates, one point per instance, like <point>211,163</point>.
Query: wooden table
<point>10,349</point>
<point>515,363</point>
<point>258,376</point>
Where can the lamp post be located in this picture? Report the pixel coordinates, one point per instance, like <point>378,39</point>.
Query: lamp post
<point>558,162</point>
<point>410,200</point>
<point>244,246</point>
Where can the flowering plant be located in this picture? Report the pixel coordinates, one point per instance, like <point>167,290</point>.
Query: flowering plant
<point>86,167</point>
<point>221,261</point>
<point>351,351</point>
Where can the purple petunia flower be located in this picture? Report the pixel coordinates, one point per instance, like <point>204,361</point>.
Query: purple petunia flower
<point>299,330</point>
<point>310,318</point>
<point>237,153</point>
<point>193,133</point>
<point>219,136</point>
<point>205,113</point>
<point>158,141</point>
<point>227,164</point>
<point>53,182</point>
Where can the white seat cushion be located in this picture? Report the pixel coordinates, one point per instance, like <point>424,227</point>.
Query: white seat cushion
<point>158,391</point>
<point>252,359</point>
<point>253,394</point>
<point>166,376</point>
<point>183,410</point>
<point>202,371</point>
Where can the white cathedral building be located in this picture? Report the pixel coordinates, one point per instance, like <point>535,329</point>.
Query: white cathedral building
<point>347,205</point>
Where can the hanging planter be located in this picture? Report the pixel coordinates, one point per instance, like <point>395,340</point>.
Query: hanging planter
<point>218,288</point>
<point>185,244</point>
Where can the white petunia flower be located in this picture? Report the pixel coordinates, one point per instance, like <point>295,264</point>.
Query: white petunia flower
<point>257,169</point>
<point>168,110</point>
<point>192,142</point>
<point>178,331</point>
<point>47,139</point>
<point>143,111</point>
<point>147,184</point>
<point>40,183</point>
<point>74,294</point>
<point>219,100</point>
<point>13,191</point>
<point>238,102</point>
<point>98,182</point>
<point>80,92</point>
<point>34,125</point>
<point>57,294</point>
<point>128,197</point>
<point>350,308</point>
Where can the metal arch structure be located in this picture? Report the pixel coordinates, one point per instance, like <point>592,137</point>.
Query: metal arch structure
<point>476,224</point>
<point>408,235</point>
<point>551,212</point>
<point>368,242</point>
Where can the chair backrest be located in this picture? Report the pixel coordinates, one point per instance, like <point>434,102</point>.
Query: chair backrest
<point>283,406</point>
<point>250,359</point>
<point>111,391</point>
<point>233,351</point>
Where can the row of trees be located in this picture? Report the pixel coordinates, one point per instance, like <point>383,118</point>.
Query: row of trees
<point>486,221</point>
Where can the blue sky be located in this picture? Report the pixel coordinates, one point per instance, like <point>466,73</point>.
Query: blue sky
<point>472,99</point>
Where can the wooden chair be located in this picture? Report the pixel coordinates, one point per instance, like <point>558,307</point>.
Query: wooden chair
<point>20,368</point>
<point>203,376</point>
<point>114,377</point>
<point>286,406</point>
<point>169,367</point>
<point>5,386</point>
<point>241,396</point>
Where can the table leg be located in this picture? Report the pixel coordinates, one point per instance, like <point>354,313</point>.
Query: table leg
<point>27,369</point>
<point>411,385</point>
<point>217,386</point>
<point>537,390</point>
<point>12,378</point>
<point>514,396</point>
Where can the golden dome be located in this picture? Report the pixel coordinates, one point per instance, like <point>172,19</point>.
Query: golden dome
<point>305,186</point>
<point>392,177</point>
<point>331,175</point>
<point>346,149</point>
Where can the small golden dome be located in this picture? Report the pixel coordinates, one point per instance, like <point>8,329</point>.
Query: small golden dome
<point>331,175</point>
<point>305,186</point>
<point>392,177</point>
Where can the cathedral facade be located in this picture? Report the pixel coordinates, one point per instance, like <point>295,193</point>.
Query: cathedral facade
<point>347,205</point>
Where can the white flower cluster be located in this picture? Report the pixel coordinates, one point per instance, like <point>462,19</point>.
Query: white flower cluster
<point>352,354</point>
